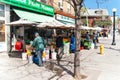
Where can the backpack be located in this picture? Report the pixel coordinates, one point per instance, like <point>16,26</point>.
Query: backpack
<point>18,45</point>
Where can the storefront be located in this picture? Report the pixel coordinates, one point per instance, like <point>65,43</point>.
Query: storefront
<point>25,9</point>
<point>4,17</point>
<point>70,22</point>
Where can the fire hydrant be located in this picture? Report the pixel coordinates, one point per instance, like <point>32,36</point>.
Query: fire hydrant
<point>101,49</point>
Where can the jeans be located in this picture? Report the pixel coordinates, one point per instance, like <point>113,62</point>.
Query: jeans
<point>94,41</point>
<point>39,56</point>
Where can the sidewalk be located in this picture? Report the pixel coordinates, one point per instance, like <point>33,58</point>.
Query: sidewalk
<point>93,65</point>
<point>107,66</point>
<point>16,69</point>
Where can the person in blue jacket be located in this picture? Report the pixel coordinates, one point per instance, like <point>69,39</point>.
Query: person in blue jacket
<point>87,36</point>
<point>72,43</point>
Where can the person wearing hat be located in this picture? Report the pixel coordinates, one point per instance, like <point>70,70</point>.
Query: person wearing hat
<point>38,44</point>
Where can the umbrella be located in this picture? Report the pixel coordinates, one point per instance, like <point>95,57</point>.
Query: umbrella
<point>54,24</point>
<point>70,26</point>
<point>21,22</point>
<point>91,28</point>
<point>98,28</point>
<point>86,28</point>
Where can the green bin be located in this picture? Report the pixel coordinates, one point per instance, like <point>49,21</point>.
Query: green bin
<point>87,44</point>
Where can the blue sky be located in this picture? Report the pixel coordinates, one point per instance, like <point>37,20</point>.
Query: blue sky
<point>107,4</point>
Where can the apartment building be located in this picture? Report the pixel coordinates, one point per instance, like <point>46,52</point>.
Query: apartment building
<point>94,15</point>
<point>14,10</point>
<point>64,12</point>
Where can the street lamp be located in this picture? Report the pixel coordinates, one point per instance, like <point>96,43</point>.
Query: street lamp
<point>114,10</point>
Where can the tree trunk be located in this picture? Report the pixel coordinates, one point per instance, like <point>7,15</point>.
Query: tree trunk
<point>77,50</point>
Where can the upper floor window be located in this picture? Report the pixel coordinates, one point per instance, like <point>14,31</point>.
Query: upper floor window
<point>68,8</point>
<point>50,2</point>
<point>2,10</point>
<point>60,4</point>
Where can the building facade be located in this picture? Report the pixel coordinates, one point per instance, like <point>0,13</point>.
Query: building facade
<point>64,12</point>
<point>93,15</point>
<point>4,30</point>
<point>13,10</point>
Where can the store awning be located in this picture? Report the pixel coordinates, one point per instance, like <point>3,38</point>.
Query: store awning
<point>34,16</point>
<point>21,22</point>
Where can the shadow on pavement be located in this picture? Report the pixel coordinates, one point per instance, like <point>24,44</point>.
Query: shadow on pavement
<point>112,48</point>
<point>58,69</point>
<point>15,54</point>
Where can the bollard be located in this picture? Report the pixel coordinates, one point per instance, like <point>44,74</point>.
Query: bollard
<point>101,49</point>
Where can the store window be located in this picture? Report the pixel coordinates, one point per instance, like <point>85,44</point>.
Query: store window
<point>60,4</point>
<point>2,10</point>
<point>2,31</point>
<point>68,8</point>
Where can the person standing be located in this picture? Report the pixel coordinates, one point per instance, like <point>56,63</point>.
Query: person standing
<point>59,45</point>
<point>72,43</point>
<point>38,44</point>
<point>94,40</point>
<point>87,36</point>
<point>59,41</point>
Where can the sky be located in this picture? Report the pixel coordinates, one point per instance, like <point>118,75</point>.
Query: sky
<point>104,4</point>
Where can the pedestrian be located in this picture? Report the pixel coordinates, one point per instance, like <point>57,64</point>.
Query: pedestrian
<point>72,43</point>
<point>59,41</point>
<point>38,44</point>
<point>87,36</point>
<point>59,45</point>
<point>97,36</point>
<point>94,40</point>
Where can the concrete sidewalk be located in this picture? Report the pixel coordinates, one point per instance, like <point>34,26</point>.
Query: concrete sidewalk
<point>93,65</point>
<point>16,69</point>
<point>106,66</point>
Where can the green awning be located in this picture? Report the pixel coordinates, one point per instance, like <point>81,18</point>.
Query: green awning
<point>34,16</point>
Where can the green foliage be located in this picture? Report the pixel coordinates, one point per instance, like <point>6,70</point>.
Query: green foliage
<point>83,10</point>
<point>104,23</point>
<point>84,21</point>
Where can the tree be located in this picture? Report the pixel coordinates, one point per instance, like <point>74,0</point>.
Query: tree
<point>77,5</point>
<point>104,23</point>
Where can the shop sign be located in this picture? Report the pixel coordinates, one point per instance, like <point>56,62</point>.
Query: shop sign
<point>64,18</point>
<point>31,5</point>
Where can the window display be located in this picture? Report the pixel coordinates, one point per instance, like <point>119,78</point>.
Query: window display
<point>2,31</point>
